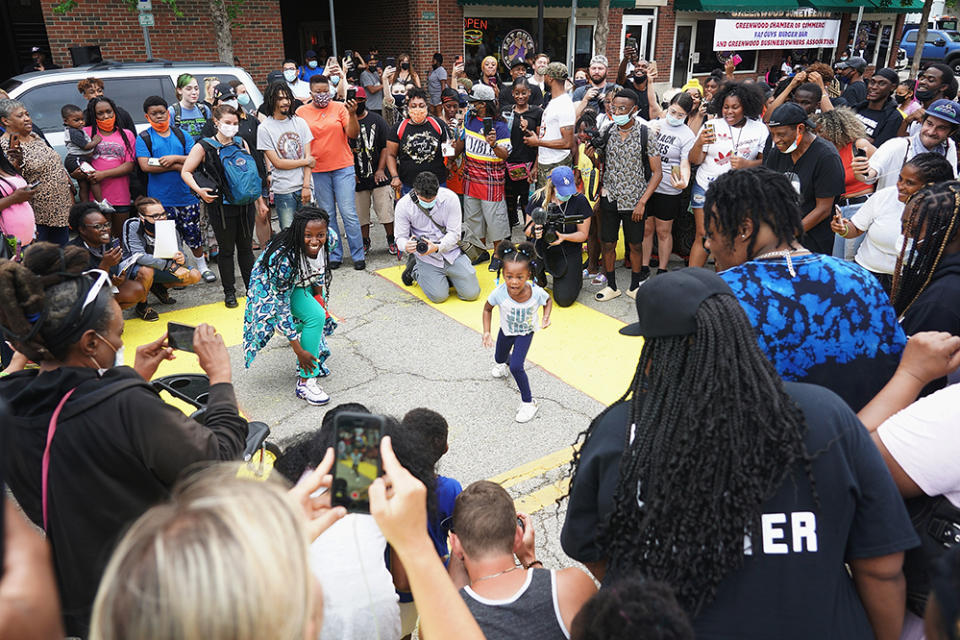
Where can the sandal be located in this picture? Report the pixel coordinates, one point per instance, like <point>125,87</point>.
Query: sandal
<point>608,294</point>
<point>145,313</point>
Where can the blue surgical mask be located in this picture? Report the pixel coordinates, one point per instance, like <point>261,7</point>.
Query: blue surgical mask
<point>334,80</point>
<point>290,75</point>
<point>674,122</point>
<point>564,198</point>
<point>427,204</point>
<point>796,142</point>
<point>244,99</point>
<point>621,119</point>
<point>312,64</point>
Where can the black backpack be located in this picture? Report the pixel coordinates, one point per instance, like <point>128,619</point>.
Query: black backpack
<point>139,178</point>
<point>937,522</point>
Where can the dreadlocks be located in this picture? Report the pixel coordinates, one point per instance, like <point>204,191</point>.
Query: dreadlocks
<point>272,95</point>
<point>716,435</point>
<point>758,193</point>
<point>289,243</point>
<point>929,224</point>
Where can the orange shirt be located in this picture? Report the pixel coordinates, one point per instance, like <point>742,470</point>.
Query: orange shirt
<point>330,145</point>
<point>852,187</point>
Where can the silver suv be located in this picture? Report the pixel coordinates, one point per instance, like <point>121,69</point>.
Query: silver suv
<point>126,83</point>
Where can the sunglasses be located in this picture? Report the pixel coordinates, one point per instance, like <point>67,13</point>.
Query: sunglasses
<point>102,278</point>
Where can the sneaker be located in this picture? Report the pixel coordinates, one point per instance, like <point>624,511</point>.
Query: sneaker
<point>145,312</point>
<point>500,370</point>
<point>106,207</point>
<point>366,245</point>
<point>607,294</point>
<point>335,264</point>
<point>526,411</point>
<point>483,257</point>
<point>310,391</point>
<point>360,265</point>
<point>495,265</point>
<point>599,279</point>
<point>208,276</point>
<point>588,276</point>
<point>407,276</point>
<point>392,249</point>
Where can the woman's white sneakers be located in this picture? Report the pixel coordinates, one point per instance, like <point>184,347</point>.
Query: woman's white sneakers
<point>526,411</point>
<point>500,370</point>
<point>310,391</point>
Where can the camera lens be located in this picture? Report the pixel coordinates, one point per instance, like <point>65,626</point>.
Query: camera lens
<point>422,246</point>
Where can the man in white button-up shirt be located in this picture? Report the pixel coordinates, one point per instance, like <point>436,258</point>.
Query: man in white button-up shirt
<point>432,214</point>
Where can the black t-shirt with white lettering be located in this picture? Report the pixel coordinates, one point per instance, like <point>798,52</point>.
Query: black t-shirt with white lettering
<point>817,174</point>
<point>367,148</point>
<point>421,148</point>
<point>881,124</point>
<point>793,583</point>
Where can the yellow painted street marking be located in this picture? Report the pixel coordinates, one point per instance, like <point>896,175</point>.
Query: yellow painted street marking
<point>533,468</point>
<point>542,498</point>
<point>581,347</point>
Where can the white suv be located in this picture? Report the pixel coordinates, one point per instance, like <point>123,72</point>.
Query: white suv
<point>126,83</point>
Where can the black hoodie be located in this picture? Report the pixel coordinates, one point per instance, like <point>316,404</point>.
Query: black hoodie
<point>117,452</point>
<point>938,307</point>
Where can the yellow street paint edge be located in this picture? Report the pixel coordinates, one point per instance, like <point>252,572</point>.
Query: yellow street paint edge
<point>533,468</point>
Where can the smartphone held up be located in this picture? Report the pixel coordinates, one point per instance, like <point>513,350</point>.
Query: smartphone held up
<point>357,464</point>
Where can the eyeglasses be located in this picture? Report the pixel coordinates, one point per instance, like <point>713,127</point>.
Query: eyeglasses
<point>159,216</point>
<point>102,278</point>
<point>100,226</point>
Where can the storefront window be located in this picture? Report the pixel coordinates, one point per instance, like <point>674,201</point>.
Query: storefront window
<point>485,37</point>
<point>709,59</point>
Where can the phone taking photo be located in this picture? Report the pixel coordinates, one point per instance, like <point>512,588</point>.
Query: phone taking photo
<point>351,94</point>
<point>357,465</point>
<point>180,336</point>
<point>487,126</point>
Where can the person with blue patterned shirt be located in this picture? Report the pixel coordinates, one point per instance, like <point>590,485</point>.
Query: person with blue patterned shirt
<point>818,319</point>
<point>288,293</point>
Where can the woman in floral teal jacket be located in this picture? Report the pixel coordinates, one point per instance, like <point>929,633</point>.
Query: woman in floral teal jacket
<point>288,293</point>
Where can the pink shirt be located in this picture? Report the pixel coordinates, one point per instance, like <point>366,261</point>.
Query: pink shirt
<point>110,154</point>
<point>17,219</point>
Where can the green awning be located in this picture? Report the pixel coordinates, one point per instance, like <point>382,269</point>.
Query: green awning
<point>586,4</point>
<point>738,6</point>
<point>898,6</point>
<point>869,6</point>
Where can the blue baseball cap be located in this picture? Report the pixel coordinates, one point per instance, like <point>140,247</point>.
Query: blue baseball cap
<point>563,181</point>
<point>946,110</point>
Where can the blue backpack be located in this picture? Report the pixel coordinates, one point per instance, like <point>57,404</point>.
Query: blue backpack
<point>236,169</point>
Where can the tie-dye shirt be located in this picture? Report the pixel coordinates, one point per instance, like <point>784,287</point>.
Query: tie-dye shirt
<point>832,324</point>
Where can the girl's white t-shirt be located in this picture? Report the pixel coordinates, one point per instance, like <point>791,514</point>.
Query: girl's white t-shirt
<point>518,318</point>
<point>747,141</point>
<point>312,270</point>
<point>880,218</point>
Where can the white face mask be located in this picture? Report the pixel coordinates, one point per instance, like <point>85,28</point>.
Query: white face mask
<point>227,130</point>
<point>232,103</point>
<point>290,75</point>
<point>117,357</point>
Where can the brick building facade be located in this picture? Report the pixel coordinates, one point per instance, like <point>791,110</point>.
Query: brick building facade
<point>270,30</point>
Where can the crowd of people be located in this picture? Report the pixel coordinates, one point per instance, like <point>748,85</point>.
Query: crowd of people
<point>781,465</point>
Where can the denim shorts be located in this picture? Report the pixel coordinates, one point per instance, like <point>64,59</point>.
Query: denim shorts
<point>697,196</point>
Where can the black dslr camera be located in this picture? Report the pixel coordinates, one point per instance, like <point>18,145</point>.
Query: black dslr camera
<point>595,138</point>
<point>551,218</point>
<point>423,245</point>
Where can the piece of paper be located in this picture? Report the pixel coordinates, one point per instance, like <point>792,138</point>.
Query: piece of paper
<point>165,239</point>
<point>127,262</point>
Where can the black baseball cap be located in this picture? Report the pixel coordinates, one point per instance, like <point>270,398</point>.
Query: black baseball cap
<point>790,113</point>
<point>224,91</point>
<point>667,304</point>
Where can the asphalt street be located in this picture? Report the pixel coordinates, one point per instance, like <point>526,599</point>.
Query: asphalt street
<point>393,352</point>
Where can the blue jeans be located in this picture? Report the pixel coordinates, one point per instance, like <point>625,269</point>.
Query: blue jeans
<point>287,204</point>
<point>335,191</point>
<point>56,235</point>
<point>843,248</point>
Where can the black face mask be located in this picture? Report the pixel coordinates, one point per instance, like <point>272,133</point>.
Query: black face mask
<point>404,65</point>
<point>361,107</point>
<point>436,64</point>
<point>640,79</point>
<point>899,99</point>
<point>924,95</point>
<point>150,227</point>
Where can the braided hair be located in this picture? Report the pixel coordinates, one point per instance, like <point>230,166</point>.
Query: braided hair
<point>930,223</point>
<point>41,301</point>
<point>932,167</point>
<point>289,243</point>
<point>716,435</point>
<point>90,117</point>
<point>761,194</point>
<point>632,608</point>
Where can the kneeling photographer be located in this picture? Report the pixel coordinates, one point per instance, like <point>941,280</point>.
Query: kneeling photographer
<point>558,218</point>
<point>427,223</point>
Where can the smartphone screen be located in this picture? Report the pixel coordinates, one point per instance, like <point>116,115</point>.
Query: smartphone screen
<point>459,60</point>
<point>391,62</point>
<point>487,125</point>
<point>351,94</point>
<point>33,185</point>
<point>180,336</point>
<point>358,459</point>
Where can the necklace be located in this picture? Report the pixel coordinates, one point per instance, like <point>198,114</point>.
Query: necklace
<point>500,573</point>
<point>730,127</point>
<point>786,253</point>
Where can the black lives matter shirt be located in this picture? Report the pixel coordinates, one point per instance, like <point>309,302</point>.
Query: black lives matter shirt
<point>367,149</point>
<point>818,173</point>
<point>881,124</point>
<point>420,149</point>
<point>793,583</point>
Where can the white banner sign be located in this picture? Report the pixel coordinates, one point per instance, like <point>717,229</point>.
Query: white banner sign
<point>738,35</point>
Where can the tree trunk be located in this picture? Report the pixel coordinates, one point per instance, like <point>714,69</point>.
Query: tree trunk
<point>921,38</point>
<point>221,28</point>
<point>602,31</point>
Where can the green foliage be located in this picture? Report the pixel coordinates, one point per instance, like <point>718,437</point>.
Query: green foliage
<point>234,7</point>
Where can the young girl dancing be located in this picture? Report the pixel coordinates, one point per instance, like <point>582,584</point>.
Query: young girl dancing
<point>518,298</point>
<point>289,288</point>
